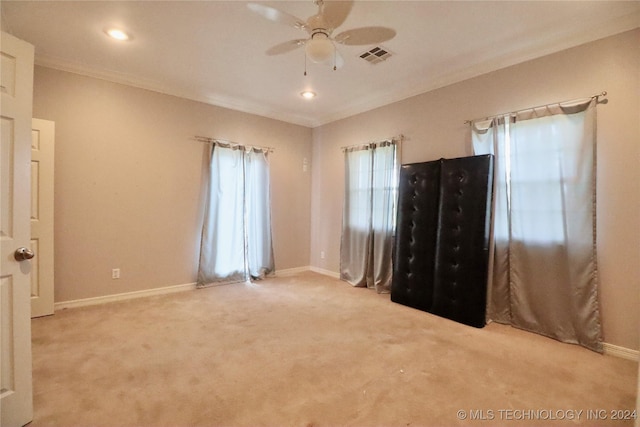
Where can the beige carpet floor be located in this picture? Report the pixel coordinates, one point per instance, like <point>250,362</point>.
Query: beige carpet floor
<point>309,350</point>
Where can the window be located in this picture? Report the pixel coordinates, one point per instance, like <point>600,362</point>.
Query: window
<point>545,265</point>
<point>372,183</point>
<point>236,234</point>
<point>371,186</point>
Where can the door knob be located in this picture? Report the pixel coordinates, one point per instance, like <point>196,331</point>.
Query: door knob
<point>22,254</point>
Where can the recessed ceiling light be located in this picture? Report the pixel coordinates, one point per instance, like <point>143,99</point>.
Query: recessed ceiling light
<point>307,94</point>
<point>117,34</point>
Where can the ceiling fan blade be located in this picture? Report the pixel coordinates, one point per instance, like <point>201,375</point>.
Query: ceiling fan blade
<point>335,12</point>
<point>365,35</point>
<point>276,15</point>
<point>285,47</point>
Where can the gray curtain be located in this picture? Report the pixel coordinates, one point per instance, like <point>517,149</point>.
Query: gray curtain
<point>236,233</point>
<point>544,276</point>
<point>259,245</point>
<point>368,221</point>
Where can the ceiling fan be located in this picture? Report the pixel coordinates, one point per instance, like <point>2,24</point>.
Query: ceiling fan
<point>320,44</point>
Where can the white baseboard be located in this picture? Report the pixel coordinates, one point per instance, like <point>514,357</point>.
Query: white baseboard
<point>292,271</point>
<point>123,296</point>
<point>325,272</point>
<point>296,270</point>
<point>150,292</point>
<point>621,352</point>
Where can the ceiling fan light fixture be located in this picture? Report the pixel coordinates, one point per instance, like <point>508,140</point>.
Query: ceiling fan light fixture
<point>320,48</point>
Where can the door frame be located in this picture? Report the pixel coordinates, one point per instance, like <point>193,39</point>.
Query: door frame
<point>42,166</point>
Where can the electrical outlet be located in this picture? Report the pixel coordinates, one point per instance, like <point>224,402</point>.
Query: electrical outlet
<point>322,255</point>
<point>115,273</point>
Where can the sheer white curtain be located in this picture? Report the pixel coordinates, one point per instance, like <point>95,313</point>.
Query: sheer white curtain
<point>545,271</point>
<point>236,233</point>
<point>368,222</point>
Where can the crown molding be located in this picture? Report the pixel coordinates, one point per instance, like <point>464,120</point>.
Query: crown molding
<point>460,73</point>
<point>155,86</point>
<point>549,47</point>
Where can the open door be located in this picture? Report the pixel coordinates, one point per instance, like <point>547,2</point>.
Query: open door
<point>42,149</point>
<point>16,392</point>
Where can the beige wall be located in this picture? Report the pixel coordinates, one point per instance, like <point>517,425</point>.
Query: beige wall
<point>128,176</point>
<point>128,179</point>
<point>433,126</point>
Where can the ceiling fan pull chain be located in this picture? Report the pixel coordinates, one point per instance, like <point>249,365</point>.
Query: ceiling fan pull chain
<point>305,64</point>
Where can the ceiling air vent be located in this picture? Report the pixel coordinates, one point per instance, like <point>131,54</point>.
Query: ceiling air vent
<point>376,55</point>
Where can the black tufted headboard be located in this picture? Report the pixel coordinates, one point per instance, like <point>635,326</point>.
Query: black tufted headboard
<point>441,254</point>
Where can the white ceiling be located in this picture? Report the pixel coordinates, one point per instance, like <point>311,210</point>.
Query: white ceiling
<point>214,51</point>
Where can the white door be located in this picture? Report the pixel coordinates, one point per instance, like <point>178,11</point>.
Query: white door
<point>16,407</point>
<point>42,148</point>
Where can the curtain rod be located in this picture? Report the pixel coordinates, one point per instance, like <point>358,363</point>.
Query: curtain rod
<point>237,144</point>
<point>397,137</point>
<point>467,122</point>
